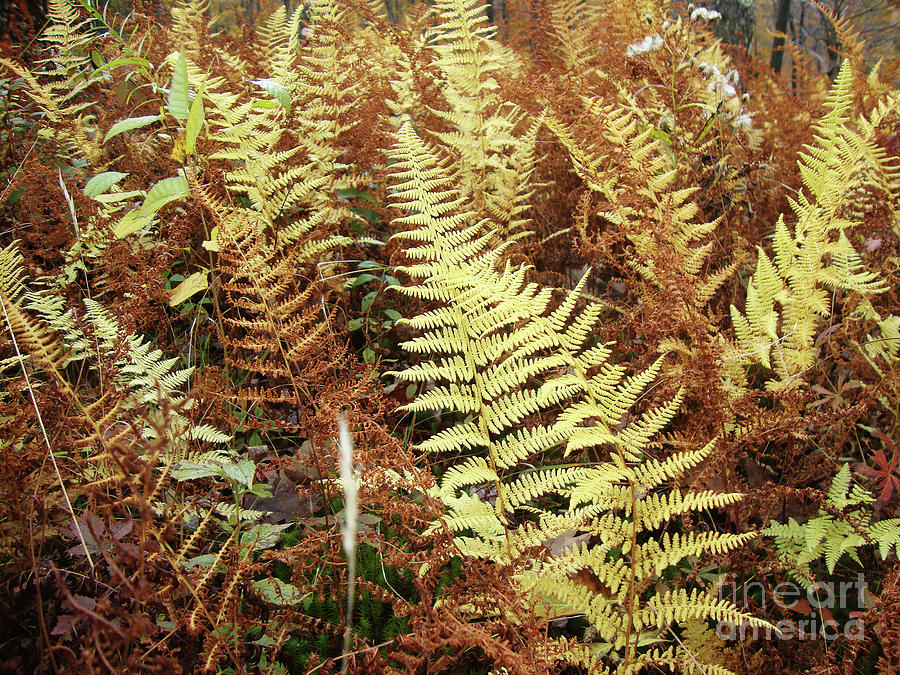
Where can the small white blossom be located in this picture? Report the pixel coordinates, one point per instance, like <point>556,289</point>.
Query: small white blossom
<point>648,44</point>
<point>666,123</point>
<point>743,122</point>
<point>723,84</point>
<point>706,14</point>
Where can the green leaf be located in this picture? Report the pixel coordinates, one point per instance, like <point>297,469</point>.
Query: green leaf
<point>193,471</point>
<point>393,314</point>
<point>130,124</point>
<point>102,182</point>
<point>165,191</point>
<point>278,592</point>
<point>127,61</point>
<point>367,300</point>
<point>361,279</point>
<point>195,283</point>
<point>260,490</point>
<point>114,197</point>
<point>242,472</point>
<point>194,123</point>
<point>263,535</point>
<point>179,99</point>
<point>205,560</point>
<point>278,90</point>
<point>130,223</point>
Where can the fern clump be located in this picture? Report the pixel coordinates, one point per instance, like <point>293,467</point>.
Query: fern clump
<point>502,356</point>
<point>615,340</point>
<point>844,523</point>
<point>817,257</point>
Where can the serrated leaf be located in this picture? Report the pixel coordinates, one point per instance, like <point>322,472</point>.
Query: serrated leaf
<point>130,124</point>
<point>194,123</point>
<point>278,90</point>
<point>165,191</point>
<point>130,223</point>
<point>179,99</point>
<point>263,535</point>
<point>278,592</point>
<point>209,434</point>
<point>102,182</point>
<point>193,471</point>
<point>195,283</point>
<point>114,197</point>
<point>242,472</point>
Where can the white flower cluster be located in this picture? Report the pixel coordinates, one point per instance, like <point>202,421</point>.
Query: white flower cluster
<point>726,84</point>
<point>743,121</point>
<point>705,14</point>
<point>648,44</point>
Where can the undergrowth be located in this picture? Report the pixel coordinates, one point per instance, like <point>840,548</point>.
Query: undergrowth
<point>607,309</point>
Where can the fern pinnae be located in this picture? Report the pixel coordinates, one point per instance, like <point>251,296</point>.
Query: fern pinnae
<point>817,255</point>
<point>14,326</point>
<point>502,356</point>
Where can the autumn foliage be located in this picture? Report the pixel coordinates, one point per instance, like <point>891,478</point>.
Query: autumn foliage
<point>608,309</point>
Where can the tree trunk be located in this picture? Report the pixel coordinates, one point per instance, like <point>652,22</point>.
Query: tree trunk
<point>781,23</point>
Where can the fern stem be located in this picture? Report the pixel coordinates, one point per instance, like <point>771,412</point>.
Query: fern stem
<point>631,572</point>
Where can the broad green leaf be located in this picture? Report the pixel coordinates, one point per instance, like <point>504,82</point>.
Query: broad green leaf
<point>361,279</point>
<point>165,191</point>
<point>114,197</point>
<point>278,90</point>
<point>277,591</point>
<point>127,61</point>
<point>193,470</point>
<point>195,283</point>
<point>130,223</point>
<point>194,123</point>
<point>243,471</point>
<point>102,182</point>
<point>263,535</point>
<point>130,124</point>
<point>179,99</point>
<point>205,560</point>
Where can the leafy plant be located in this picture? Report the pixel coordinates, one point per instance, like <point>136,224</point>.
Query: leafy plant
<point>842,526</point>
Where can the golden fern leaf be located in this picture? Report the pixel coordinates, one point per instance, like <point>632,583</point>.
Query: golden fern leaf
<point>817,255</point>
<point>501,355</point>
